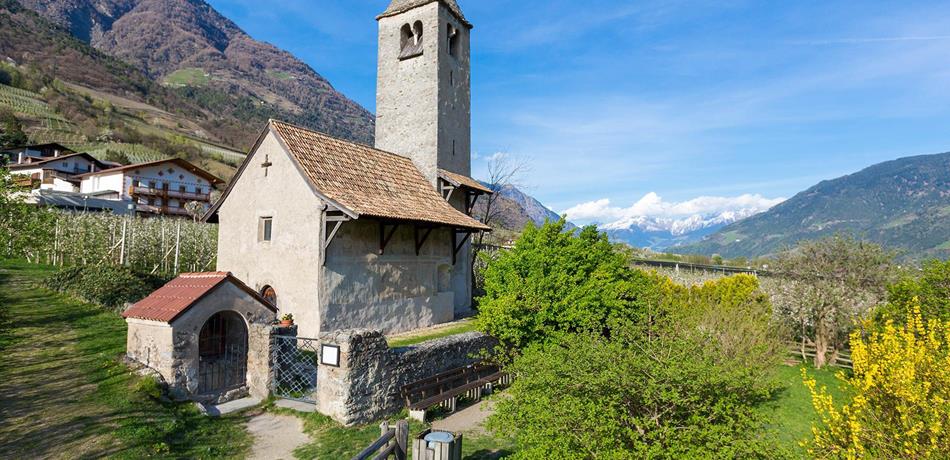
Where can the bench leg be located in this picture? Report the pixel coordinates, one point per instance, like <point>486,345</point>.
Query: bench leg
<point>419,415</point>
<point>452,404</point>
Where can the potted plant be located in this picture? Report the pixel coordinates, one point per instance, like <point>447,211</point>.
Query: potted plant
<point>287,320</point>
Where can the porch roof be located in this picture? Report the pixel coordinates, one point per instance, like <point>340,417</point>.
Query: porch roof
<point>175,298</point>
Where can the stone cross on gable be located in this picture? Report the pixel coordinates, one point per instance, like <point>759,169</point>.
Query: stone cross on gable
<point>266,164</point>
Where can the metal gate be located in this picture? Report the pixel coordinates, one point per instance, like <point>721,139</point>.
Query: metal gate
<point>294,366</point>
<point>223,371</point>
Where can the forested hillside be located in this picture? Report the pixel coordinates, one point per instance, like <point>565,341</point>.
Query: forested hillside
<point>903,204</point>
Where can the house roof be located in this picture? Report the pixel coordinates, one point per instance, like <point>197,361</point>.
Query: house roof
<point>178,161</point>
<point>401,6</point>
<point>53,145</point>
<point>461,180</point>
<point>175,298</point>
<point>367,181</point>
<point>47,160</point>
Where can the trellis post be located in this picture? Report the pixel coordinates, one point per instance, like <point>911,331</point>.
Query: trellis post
<point>177,246</point>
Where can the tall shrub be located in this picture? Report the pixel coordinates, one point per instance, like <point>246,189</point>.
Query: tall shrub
<point>901,402</point>
<point>685,381</point>
<point>554,281</point>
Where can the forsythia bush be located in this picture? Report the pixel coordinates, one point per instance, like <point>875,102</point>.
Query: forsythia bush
<point>900,406</point>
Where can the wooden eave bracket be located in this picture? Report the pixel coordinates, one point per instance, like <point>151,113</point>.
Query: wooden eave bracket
<point>447,190</point>
<point>336,219</point>
<point>384,237</point>
<point>456,247</point>
<point>471,197</point>
<point>422,234</point>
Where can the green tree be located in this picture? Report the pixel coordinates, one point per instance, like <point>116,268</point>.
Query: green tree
<point>553,282</point>
<point>26,228</point>
<point>930,291</point>
<point>684,383</point>
<point>11,131</point>
<point>829,285</point>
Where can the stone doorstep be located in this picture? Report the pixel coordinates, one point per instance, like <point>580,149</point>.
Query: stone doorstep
<point>298,406</point>
<point>228,407</point>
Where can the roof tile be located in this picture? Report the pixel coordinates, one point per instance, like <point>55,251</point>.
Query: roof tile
<point>369,182</point>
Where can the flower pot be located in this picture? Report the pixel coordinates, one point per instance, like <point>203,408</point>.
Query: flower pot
<point>286,323</point>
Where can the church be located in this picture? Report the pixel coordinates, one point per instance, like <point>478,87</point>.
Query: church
<point>345,236</point>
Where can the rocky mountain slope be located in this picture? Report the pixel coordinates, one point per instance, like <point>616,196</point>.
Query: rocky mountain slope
<point>903,204</point>
<point>204,57</point>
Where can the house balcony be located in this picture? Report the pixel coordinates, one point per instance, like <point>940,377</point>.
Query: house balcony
<point>169,193</point>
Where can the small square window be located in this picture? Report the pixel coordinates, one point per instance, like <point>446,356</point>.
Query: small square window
<point>266,229</point>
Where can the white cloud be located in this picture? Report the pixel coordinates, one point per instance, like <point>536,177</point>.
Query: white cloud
<point>653,206</point>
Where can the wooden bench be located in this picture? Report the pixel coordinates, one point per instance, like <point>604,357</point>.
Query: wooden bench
<point>472,381</point>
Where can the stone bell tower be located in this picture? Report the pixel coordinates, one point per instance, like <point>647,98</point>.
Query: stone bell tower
<point>423,89</point>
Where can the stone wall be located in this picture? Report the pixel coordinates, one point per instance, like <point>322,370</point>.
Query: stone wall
<point>395,291</point>
<point>366,386</point>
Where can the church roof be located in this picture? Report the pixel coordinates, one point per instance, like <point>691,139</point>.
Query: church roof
<point>401,6</point>
<point>368,181</point>
<point>461,180</point>
<point>171,300</point>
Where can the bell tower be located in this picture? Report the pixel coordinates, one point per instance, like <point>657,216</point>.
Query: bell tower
<point>423,88</point>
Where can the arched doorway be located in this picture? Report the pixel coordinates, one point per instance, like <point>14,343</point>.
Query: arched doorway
<point>269,294</point>
<point>222,353</point>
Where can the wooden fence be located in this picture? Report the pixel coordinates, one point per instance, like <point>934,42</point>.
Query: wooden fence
<point>805,352</point>
<point>393,442</point>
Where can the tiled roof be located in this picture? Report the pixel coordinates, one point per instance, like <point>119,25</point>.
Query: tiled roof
<point>460,180</point>
<point>401,6</point>
<point>47,160</point>
<point>369,182</point>
<point>178,161</point>
<point>180,294</point>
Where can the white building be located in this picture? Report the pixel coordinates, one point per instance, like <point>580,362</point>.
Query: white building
<point>59,172</point>
<point>159,187</point>
<point>343,235</point>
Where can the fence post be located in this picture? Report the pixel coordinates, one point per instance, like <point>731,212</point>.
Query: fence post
<point>402,440</point>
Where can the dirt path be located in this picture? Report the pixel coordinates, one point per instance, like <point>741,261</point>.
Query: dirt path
<point>45,409</point>
<point>276,436</point>
<point>470,420</point>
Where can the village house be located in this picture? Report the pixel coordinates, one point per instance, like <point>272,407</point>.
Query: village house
<point>161,187</point>
<point>59,172</point>
<point>39,152</point>
<point>343,235</point>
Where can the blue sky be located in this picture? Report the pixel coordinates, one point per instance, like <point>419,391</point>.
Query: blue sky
<point>624,107</point>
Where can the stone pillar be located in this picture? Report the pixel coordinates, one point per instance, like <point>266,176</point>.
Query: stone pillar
<point>357,390</point>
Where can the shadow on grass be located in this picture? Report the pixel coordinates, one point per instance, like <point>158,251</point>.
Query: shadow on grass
<point>66,374</point>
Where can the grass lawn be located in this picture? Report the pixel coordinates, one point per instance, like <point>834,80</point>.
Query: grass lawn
<point>458,327</point>
<point>191,76</point>
<point>66,395</point>
<point>792,411</point>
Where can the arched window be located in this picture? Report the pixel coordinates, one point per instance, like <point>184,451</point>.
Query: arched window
<point>410,42</point>
<point>453,36</point>
<point>269,294</point>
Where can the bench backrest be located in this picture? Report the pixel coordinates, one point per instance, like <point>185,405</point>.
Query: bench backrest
<point>445,381</point>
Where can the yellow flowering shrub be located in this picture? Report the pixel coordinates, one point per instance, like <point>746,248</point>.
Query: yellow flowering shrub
<point>900,396</point>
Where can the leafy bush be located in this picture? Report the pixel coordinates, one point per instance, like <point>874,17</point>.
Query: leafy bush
<point>901,402</point>
<point>930,292</point>
<point>106,285</point>
<point>634,396</point>
<point>554,282</point>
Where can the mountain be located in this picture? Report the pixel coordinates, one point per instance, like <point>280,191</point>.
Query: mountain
<point>903,204</point>
<point>514,209</point>
<point>202,56</point>
<point>661,233</point>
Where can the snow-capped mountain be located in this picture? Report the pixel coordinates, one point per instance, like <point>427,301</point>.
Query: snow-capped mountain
<point>660,233</point>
